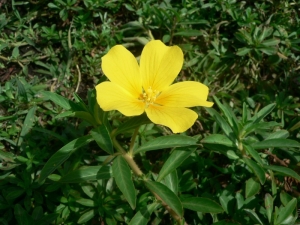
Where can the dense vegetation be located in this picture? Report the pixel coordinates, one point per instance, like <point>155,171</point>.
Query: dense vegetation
<point>238,164</point>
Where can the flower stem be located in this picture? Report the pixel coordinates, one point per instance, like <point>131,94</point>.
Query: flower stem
<point>136,131</point>
<point>135,168</point>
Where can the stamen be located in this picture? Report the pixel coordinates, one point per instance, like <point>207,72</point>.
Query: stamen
<point>149,96</point>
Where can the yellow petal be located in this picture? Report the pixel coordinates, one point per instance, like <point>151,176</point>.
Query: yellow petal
<point>121,67</point>
<point>177,119</point>
<point>184,94</point>
<point>160,65</point>
<point>111,96</point>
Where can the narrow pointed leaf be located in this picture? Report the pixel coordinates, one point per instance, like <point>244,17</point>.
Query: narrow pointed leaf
<point>166,195</point>
<point>254,216</point>
<point>171,181</point>
<point>269,206</point>
<point>90,173</point>
<point>203,205</point>
<point>176,158</point>
<point>252,188</point>
<point>122,175</point>
<point>222,123</point>
<point>276,143</point>
<point>132,123</point>
<point>143,215</point>
<point>103,139</point>
<point>86,216</point>
<point>284,171</point>
<point>62,155</point>
<point>170,141</point>
<point>254,154</point>
<point>263,113</point>
<point>228,113</point>
<point>218,139</point>
<point>257,170</point>
<point>28,124</point>
<point>286,211</point>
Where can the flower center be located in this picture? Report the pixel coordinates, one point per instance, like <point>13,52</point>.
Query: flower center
<point>149,96</point>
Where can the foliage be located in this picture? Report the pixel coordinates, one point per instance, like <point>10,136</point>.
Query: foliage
<point>64,160</point>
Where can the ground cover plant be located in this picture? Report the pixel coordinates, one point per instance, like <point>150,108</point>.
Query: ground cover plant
<point>64,160</point>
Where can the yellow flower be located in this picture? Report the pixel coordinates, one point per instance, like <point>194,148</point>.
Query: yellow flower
<point>134,89</point>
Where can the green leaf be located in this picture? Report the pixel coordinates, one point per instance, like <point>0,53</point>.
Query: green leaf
<point>103,139</point>
<point>263,113</point>
<point>132,123</point>
<point>243,51</point>
<point>270,42</point>
<point>176,158</point>
<point>163,142</point>
<point>254,154</point>
<point>278,134</point>
<point>253,216</point>
<point>86,216</point>
<point>256,169</point>
<point>171,181</point>
<point>276,143</point>
<point>78,114</point>
<point>222,123</point>
<point>86,202</point>
<point>143,215</point>
<point>61,101</point>
<point>203,205</point>
<point>62,155</point>
<point>189,33</point>
<point>89,173</point>
<point>166,195</point>
<point>252,188</point>
<point>284,171</point>
<point>218,139</point>
<point>122,175</point>
<point>21,215</point>
<point>27,125</point>
<point>252,127</point>
<point>286,211</point>
<point>269,206</point>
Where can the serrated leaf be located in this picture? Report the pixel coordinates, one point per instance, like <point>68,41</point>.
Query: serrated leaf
<point>284,171</point>
<point>163,142</point>
<point>203,205</point>
<point>176,158</point>
<point>62,155</point>
<point>122,175</point>
<point>166,195</point>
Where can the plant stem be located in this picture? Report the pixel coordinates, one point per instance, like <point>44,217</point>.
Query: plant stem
<point>135,168</point>
<point>135,133</point>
